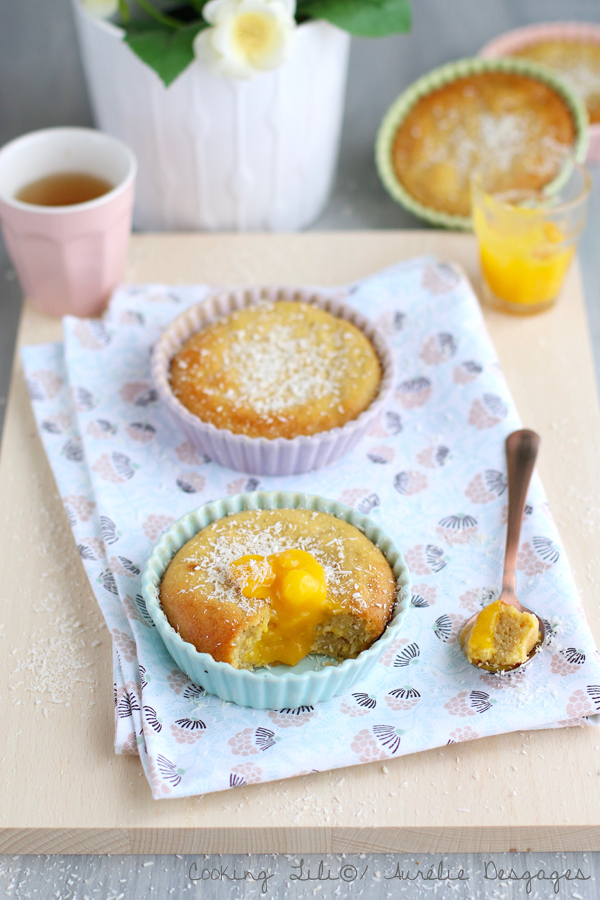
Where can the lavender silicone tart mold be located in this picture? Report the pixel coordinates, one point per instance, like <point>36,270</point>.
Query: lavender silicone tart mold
<point>263,456</point>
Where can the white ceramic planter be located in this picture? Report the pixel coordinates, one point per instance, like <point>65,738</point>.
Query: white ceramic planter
<point>222,154</point>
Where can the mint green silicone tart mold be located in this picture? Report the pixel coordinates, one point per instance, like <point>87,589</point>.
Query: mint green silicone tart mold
<point>445,75</point>
<point>280,687</point>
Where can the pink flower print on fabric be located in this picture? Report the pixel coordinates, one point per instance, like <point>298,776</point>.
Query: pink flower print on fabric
<point>187,453</point>
<point>80,506</point>
<point>136,609</point>
<point>121,565</point>
<point>440,278</point>
<point>434,457</point>
<point>413,393</point>
<point>154,526</point>
<point>423,595</point>
<point>131,317</point>
<point>567,662</point>
<point>91,549</point>
<point>462,734</point>
<point>124,645</point>
<point>486,486</point>
<point>358,704</point>
<point>292,718</point>
<point>178,681</point>
<point>191,482</point>
<point>438,349</point>
<point>143,432</point>
<point>245,773</point>
<point>129,747</point>
<point>351,496</point>
<point>425,559</point>
<point>187,730</point>
<point>390,654</point>
<point>44,384</point>
<point>581,704</point>
<point>391,321</point>
<point>164,775</point>
<point>457,529</point>
<point>487,412</point>
<point>468,703</point>
<point>91,334</point>
<point>101,429</point>
<point>466,372</point>
<point>409,483</point>
<point>538,556</point>
<point>476,599</point>
<point>366,747</point>
<point>243,485</point>
<point>251,741</point>
<point>386,425</point>
<point>116,468</point>
<point>59,423</point>
<point>402,699</point>
<point>377,429</point>
<point>381,455</point>
<point>140,393</point>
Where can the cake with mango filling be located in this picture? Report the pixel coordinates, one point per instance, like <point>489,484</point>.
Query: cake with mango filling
<point>264,587</point>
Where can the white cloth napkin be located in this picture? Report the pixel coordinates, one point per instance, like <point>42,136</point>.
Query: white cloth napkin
<point>431,472</point>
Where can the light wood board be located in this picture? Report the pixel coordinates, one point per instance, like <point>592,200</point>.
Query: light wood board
<point>64,790</point>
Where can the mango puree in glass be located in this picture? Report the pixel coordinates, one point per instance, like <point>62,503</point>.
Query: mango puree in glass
<point>523,258</point>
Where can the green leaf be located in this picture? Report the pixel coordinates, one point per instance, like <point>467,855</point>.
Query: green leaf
<point>164,49</point>
<point>363,18</point>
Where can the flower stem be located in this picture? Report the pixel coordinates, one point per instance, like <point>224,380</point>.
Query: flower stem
<point>155,14</point>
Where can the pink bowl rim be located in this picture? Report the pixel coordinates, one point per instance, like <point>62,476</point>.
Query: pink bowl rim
<point>220,303</point>
<point>517,38</point>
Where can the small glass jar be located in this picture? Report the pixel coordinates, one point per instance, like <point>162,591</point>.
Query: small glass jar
<point>527,240</point>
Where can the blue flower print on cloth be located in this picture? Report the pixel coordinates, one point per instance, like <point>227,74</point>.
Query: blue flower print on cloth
<point>431,472</point>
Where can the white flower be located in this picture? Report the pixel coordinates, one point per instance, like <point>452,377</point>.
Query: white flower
<point>102,9</point>
<point>246,37</point>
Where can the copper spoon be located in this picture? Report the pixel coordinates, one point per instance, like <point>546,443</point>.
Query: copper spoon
<point>521,452</point>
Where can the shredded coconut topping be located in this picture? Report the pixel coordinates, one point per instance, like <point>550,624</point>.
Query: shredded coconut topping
<point>223,549</point>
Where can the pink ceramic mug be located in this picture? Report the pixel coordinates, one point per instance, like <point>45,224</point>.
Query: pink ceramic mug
<point>68,258</point>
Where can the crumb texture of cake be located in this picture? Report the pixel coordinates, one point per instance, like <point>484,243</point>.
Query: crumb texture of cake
<point>512,122</point>
<point>500,637</point>
<point>576,62</point>
<point>277,369</point>
<point>269,586</point>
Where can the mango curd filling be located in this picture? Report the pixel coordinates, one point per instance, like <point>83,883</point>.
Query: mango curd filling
<point>294,584</point>
<point>501,636</point>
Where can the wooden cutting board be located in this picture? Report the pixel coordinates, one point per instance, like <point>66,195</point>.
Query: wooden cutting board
<point>65,791</point>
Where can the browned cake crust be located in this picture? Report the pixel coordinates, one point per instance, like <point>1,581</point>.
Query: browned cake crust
<point>577,63</point>
<point>202,602</point>
<point>278,369</point>
<point>516,123</point>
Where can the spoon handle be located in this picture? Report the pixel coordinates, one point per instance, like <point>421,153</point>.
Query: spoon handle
<point>521,452</point>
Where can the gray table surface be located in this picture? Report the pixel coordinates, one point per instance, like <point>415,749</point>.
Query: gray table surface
<point>41,84</point>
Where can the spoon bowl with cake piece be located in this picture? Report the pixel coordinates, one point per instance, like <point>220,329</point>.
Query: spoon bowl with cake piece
<point>505,635</point>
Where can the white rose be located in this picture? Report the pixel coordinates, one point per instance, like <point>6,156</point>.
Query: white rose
<point>246,37</point>
<point>102,9</point>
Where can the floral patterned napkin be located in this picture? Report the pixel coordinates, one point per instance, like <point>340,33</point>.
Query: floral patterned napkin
<point>431,472</point>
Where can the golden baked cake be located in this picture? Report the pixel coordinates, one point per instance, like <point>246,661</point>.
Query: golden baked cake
<point>270,586</point>
<point>500,637</point>
<point>577,62</point>
<point>511,122</point>
<point>277,369</point>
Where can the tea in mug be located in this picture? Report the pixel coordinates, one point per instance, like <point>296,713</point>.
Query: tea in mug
<point>64,189</point>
